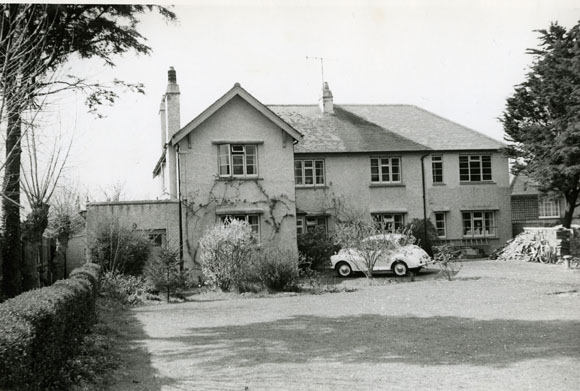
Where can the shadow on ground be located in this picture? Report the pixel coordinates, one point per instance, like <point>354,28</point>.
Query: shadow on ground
<point>380,339</point>
<point>135,372</point>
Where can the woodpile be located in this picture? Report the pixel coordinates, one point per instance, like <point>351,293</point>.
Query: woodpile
<point>529,247</point>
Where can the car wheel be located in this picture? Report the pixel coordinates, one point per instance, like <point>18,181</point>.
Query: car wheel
<point>400,269</point>
<point>343,269</point>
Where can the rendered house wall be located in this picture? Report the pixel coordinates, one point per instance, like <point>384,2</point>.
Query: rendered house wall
<point>207,196</point>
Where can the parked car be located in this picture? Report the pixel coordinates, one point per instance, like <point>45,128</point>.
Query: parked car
<point>408,257</point>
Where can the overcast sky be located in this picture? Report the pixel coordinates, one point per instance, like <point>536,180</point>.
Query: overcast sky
<point>458,59</point>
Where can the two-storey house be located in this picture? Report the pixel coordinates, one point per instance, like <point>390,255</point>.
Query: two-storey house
<point>286,169</point>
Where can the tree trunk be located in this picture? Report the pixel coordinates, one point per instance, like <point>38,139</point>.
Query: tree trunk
<point>571,199</point>
<point>11,245</point>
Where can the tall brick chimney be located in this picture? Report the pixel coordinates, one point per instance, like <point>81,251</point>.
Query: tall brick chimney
<point>326,103</point>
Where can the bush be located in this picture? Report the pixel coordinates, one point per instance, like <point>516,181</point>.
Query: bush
<point>165,274</point>
<point>225,254</point>
<point>277,269</point>
<point>417,229</point>
<point>118,248</point>
<point>41,328</point>
<point>448,259</point>
<point>317,247</point>
<point>126,289</point>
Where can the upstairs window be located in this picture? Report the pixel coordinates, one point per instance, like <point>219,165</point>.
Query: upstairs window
<point>237,160</point>
<point>437,168</point>
<point>475,168</point>
<point>309,172</point>
<point>548,208</point>
<point>386,170</point>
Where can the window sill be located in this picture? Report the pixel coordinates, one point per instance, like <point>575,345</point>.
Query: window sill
<point>387,185</point>
<point>239,178</point>
<point>477,183</point>
<point>480,237</point>
<point>311,187</point>
<point>548,217</point>
<point>439,184</point>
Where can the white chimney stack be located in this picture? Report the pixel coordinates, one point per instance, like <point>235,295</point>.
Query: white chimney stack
<point>326,103</point>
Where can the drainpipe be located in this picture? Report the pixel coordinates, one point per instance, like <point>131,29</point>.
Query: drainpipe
<point>179,207</point>
<point>424,197</point>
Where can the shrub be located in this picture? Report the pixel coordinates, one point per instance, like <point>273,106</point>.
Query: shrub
<point>165,274</point>
<point>317,247</point>
<point>41,328</point>
<point>417,229</point>
<point>118,248</point>
<point>448,260</point>
<point>126,289</point>
<point>277,269</point>
<point>225,253</point>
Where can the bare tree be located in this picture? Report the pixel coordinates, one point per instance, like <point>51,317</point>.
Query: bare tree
<point>39,181</point>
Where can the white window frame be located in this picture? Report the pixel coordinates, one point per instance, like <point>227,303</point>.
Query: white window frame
<point>384,167</point>
<point>437,168</point>
<point>255,225</point>
<point>388,221</point>
<point>546,205</point>
<point>227,154</point>
<point>314,167</point>
<point>473,166</point>
<point>479,224</point>
<point>441,224</point>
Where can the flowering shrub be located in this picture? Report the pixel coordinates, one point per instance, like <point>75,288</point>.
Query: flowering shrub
<point>126,289</point>
<point>225,254</point>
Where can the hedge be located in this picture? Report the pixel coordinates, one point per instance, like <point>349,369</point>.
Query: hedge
<point>40,329</point>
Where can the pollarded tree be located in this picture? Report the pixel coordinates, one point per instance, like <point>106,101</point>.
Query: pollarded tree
<point>36,40</point>
<point>542,118</point>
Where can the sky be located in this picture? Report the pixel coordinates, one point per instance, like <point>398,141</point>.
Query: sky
<point>458,59</point>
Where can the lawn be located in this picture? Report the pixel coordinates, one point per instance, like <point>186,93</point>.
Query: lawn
<point>498,326</point>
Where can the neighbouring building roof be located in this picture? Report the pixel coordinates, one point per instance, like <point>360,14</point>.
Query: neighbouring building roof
<point>366,128</point>
<point>522,185</point>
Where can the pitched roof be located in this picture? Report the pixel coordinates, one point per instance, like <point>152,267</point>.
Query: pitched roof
<point>368,128</point>
<point>523,185</point>
<point>425,127</point>
<point>341,132</point>
<point>236,90</point>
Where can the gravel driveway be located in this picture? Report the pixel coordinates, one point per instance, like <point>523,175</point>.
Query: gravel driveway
<point>498,326</point>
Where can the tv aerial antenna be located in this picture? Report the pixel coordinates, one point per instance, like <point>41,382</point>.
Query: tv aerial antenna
<point>321,59</point>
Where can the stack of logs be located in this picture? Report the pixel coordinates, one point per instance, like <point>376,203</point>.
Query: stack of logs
<point>530,246</point>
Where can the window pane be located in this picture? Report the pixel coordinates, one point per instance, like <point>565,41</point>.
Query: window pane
<point>475,171</point>
<point>440,224</point>
<point>467,224</point>
<point>319,164</point>
<point>238,164</point>
<point>298,172</point>
<point>463,168</point>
